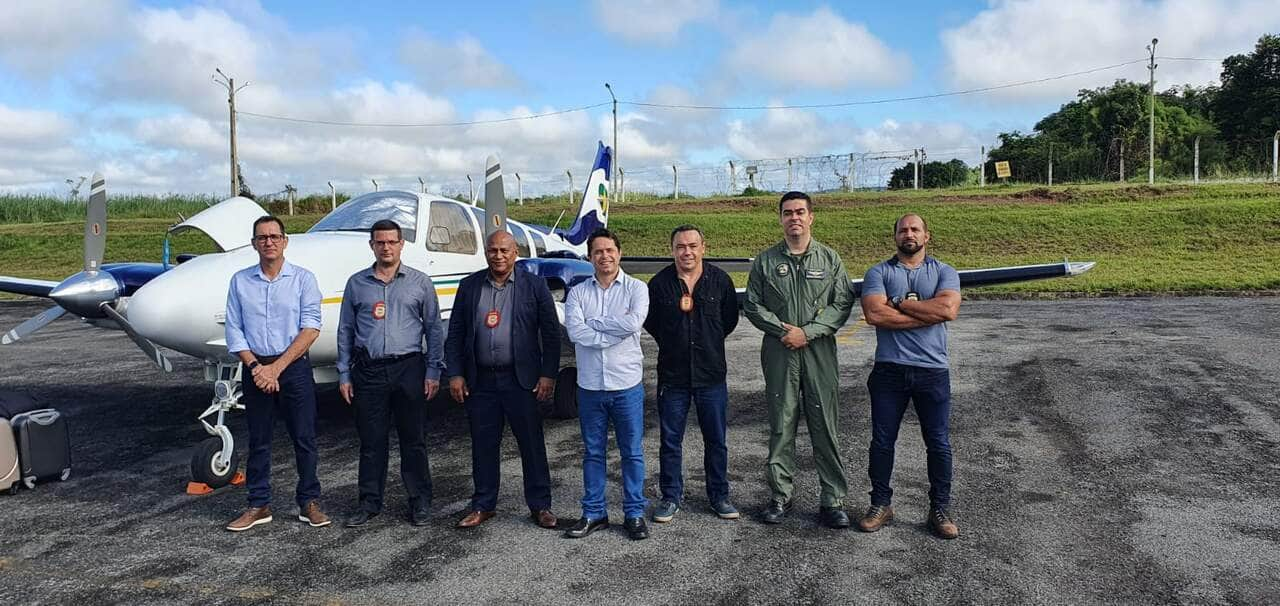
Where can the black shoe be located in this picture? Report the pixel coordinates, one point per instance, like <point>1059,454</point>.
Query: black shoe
<point>420,516</point>
<point>636,528</point>
<point>776,511</point>
<point>586,526</point>
<point>359,518</point>
<point>833,517</point>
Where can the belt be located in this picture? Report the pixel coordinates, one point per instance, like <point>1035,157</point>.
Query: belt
<point>391,359</point>
<point>267,359</point>
<point>496,369</point>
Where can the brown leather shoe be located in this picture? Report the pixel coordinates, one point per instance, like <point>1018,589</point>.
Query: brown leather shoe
<point>544,518</point>
<point>476,518</point>
<point>250,518</point>
<point>312,515</point>
<point>942,524</point>
<point>876,516</point>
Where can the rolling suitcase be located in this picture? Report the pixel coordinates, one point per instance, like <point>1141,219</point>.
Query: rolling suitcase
<point>14,403</point>
<point>44,446</point>
<point>9,475</point>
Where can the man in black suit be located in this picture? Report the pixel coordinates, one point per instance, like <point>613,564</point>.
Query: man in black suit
<point>503,351</point>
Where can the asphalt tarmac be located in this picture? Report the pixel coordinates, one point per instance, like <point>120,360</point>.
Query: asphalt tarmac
<point>1106,451</point>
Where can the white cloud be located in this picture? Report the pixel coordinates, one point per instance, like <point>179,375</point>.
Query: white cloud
<point>1020,40</point>
<point>818,50</point>
<point>21,126</point>
<point>38,38</point>
<point>463,64</point>
<point>652,21</point>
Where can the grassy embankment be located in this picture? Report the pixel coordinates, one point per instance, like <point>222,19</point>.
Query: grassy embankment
<point>1174,238</point>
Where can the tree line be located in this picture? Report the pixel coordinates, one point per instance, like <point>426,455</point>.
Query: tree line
<point>1104,129</point>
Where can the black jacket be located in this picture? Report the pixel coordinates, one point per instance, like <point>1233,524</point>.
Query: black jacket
<point>535,334</point>
<point>691,345</point>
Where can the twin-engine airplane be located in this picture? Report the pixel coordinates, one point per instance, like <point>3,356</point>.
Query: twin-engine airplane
<point>182,307</point>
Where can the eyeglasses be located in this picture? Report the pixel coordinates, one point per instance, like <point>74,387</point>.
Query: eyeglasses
<point>386,243</point>
<point>273,238</point>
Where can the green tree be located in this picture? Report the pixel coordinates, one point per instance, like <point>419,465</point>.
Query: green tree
<point>1247,105</point>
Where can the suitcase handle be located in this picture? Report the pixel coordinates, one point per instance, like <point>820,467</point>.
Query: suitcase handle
<point>44,417</point>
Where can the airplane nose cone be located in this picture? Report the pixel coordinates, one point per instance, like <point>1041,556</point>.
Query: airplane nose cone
<point>84,292</point>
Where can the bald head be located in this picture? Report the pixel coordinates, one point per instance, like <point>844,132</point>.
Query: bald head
<point>500,253</point>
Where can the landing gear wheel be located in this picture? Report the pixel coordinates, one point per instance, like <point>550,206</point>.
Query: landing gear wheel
<point>205,467</point>
<point>564,403</point>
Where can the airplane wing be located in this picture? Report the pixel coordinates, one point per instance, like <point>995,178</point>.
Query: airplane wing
<point>26,286</point>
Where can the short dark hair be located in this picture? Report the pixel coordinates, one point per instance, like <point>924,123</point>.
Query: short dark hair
<point>898,221</point>
<point>602,233</point>
<point>686,227</point>
<point>268,219</point>
<point>386,225</point>
<point>795,195</point>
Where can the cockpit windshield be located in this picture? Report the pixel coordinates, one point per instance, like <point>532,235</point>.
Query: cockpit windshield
<point>361,212</point>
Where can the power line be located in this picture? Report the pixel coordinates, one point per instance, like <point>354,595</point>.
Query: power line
<point>881,101</point>
<point>422,125</point>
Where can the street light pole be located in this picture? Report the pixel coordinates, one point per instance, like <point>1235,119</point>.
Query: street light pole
<point>230,84</point>
<point>1151,125</point>
<point>613,176</point>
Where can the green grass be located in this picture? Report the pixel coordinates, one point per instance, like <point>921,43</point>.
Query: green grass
<point>1170,238</point>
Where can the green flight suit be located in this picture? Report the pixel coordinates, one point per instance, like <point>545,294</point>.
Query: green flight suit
<point>811,291</point>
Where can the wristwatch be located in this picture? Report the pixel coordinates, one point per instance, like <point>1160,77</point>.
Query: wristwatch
<point>254,364</point>
<point>896,302</point>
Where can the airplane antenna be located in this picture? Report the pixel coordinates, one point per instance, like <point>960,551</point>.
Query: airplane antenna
<point>557,223</point>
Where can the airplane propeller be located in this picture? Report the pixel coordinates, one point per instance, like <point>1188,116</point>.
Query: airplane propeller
<point>92,293</point>
<point>495,202</point>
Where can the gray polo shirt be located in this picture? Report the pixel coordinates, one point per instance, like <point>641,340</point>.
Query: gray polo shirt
<point>390,319</point>
<point>925,346</point>
<point>493,345</point>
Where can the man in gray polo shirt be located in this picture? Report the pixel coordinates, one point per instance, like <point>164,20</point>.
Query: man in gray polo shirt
<point>909,299</point>
<point>386,372</point>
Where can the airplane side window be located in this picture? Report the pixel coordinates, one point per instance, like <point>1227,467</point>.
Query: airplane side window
<point>539,244</point>
<point>522,241</point>
<point>451,229</point>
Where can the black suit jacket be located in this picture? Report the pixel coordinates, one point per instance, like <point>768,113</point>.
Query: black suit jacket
<point>535,332</point>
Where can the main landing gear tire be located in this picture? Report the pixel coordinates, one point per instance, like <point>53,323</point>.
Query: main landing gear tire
<point>205,466</point>
<point>564,402</point>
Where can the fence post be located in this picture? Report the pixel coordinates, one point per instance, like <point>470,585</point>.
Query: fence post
<point>1051,163</point>
<point>1195,170</point>
<point>1122,160</point>
<point>471,185</point>
<point>915,171</point>
<point>622,186</point>
<point>850,181</point>
<point>675,183</point>
<point>733,179</point>
<point>519,190</point>
<point>570,187</point>
<point>375,185</point>
<point>422,186</point>
<point>290,191</point>
<point>790,175</point>
<point>1275,157</point>
<point>982,162</point>
<point>333,197</point>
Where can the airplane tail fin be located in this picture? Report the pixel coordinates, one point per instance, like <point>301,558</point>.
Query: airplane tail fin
<point>593,213</point>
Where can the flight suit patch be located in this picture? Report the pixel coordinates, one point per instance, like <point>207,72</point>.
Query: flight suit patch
<point>783,269</point>
<point>815,274</point>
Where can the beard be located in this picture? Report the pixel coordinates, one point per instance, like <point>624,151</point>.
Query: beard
<point>910,248</point>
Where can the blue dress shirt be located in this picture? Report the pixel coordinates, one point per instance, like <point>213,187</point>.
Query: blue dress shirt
<point>604,325</point>
<point>265,316</point>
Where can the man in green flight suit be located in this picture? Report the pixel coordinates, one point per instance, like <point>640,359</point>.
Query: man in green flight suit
<point>798,294</point>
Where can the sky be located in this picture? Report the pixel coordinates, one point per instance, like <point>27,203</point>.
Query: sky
<point>126,87</point>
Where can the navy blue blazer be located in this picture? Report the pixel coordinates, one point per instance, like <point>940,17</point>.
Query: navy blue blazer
<point>535,332</point>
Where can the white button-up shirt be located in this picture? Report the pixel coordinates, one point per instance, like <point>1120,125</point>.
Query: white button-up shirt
<point>604,325</point>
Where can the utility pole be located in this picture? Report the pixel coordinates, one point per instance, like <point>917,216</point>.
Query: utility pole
<point>982,163</point>
<point>1151,125</point>
<point>613,187</point>
<point>230,84</point>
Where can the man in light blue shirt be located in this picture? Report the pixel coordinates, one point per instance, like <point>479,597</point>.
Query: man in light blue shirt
<point>909,299</point>
<point>604,316</point>
<point>273,317</point>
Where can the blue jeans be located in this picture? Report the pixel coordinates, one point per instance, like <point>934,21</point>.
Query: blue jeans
<point>892,386</point>
<point>296,402</point>
<point>625,408</point>
<point>711,404</point>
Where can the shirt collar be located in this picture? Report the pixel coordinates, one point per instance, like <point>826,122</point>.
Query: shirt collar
<point>369,272</point>
<point>287,269</point>
<point>510,279</point>
<point>618,280</point>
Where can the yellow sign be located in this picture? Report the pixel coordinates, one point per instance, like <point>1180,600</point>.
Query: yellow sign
<point>1002,169</point>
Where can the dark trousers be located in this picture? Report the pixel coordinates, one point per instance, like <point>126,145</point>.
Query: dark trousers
<point>497,397</point>
<point>891,387</point>
<point>296,403</point>
<point>387,392</point>
<point>711,404</point>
